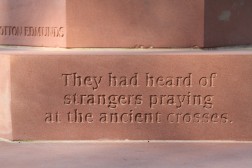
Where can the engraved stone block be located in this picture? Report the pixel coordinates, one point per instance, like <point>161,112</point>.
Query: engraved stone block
<point>126,94</point>
<point>126,24</point>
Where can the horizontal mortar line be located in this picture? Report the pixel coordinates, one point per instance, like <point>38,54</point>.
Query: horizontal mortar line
<point>29,48</point>
<point>131,141</point>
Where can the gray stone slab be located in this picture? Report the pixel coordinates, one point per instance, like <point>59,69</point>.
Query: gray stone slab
<point>126,155</point>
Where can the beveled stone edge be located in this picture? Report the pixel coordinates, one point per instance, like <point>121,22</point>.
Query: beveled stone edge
<point>5,98</point>
<point>29,50</point>
<point>126,141</point>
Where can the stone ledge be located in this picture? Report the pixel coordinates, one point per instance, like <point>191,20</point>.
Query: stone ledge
<point>120,155</point>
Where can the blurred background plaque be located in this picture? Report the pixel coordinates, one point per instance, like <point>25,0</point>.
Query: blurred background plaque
<point>126,24</point>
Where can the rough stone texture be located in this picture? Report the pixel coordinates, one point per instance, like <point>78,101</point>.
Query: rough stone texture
<point>38,90</point>
<point>127,24</point>
<point>151,23</point>
<point>122,155</point>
